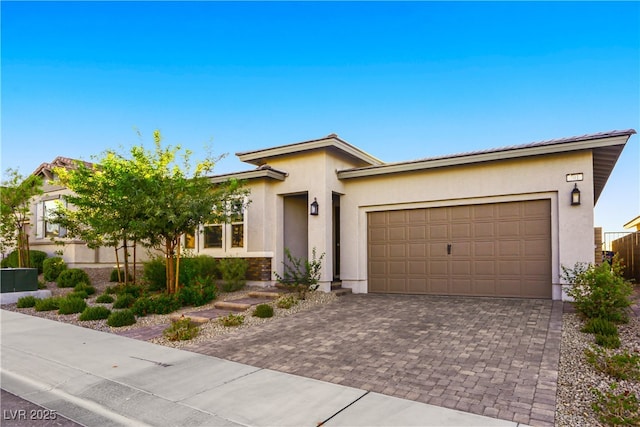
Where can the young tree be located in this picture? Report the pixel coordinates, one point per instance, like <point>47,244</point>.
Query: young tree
<point>102,208</point>
<point>15,209</point>
<point>176,199</point>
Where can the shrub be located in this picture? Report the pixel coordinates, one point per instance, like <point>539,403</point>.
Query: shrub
<point>83,287</point>
<point>48,304</point>
<point>608,341</point>
<point>79,294</point>
<point>234,273</point>
<point>300,274</point>
<point>622,366</point>
<point>71,277</point>
<point>114,275</point>
<point>616,408</point>
<point>286,301</point>
<point>263,311</point>
<point>155,275</point>
<point>124,301</point>
<point>105,299</point>
<point>600,291</point>
<point>121,318</point>
<point>71,304</point>
<point>52,267</point>
<point>181,330</point>
<point>165,303</point>
<point>232,320</point>
<point>201,291</point>
<point>26,302</point>
<point>143,306</point>
<point>600,326</point>
<point>95,313</point>
<point>36,259</point>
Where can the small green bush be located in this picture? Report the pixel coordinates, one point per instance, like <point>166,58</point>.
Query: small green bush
<point>300,274</point>
<point>622,366</point>
<point>48,304</point>
<point>286,301</point>
<point>71,277</point>
<point>26,302</point>
<point>232,320</point>
<point>181,330</point>
<point>79,294</point>
<point>608,341</point>
<point>124,301</point>
<point>615,409</point>
<point>130,288</point>
<point>94,313</point>
<point>52,267</point>
<point>143,306</point>
<point>121,318</point>
<point>154,271</point>
<point>36,259</point>
<point>234,273</point>
<point>114,276</point>
<point>600,326</point>
<point>83,287</point>
<point>105,299</point>
<point>165,303</point>
<point>263,311</point>
<point>71,304</point>
<point>201,291</point>
<point>600,291</point>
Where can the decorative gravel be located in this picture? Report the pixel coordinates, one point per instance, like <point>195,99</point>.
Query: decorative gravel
<point>576,377</point>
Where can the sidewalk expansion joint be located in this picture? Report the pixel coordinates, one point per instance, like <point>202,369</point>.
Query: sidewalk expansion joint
<point>321,423</point>
<point>164,365</point>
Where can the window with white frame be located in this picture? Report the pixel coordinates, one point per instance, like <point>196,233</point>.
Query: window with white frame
<point>44,215</point>
<point>229,235</point>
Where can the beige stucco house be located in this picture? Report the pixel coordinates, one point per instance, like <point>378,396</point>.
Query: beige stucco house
<point>498,222</point>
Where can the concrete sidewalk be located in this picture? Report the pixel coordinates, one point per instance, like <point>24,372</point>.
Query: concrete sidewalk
<point>102,379</point>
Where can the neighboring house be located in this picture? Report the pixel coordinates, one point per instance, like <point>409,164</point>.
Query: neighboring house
<point>43,233</point>
<point>627,248</point>
<point>498,222</point>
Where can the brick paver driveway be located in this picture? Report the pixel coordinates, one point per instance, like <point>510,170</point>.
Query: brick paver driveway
<point>494,357</point>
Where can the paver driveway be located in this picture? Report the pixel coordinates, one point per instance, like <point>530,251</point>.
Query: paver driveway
<point>494,357</point>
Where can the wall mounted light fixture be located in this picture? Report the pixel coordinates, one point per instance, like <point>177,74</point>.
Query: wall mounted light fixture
<point>314,208</point>
<point>575,195</point>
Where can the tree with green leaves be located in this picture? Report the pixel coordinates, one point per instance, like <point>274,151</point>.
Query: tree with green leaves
<point>177,198</point>
<point>102,208</point>
<point>15,209</point>
<point>148,198</point>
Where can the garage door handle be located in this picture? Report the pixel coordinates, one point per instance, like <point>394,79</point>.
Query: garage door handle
<point>448,248</point>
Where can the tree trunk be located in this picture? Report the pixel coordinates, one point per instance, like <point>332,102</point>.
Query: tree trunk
<point>125,245</point>
<point>135,247</point>
<point>117,264</point>
<point>170,268</point>
<point>177,265</point>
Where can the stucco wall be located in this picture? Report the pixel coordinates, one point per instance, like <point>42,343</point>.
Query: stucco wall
<point>530,179</point>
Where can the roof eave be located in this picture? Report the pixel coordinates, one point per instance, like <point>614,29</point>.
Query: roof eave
<point>247,175</point>
<point>259,157</point>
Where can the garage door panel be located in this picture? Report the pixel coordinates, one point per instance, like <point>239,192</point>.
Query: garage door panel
<point>438,231</point>
<point>397,217</point>
<point>483,230</point>
<point>377,235</point>
<point>417,233</point>
<point>508,229</point>
<point>417,250</point>
<point>397,251</point>
<point>418,267</point>
<point>501,249</point>
<point>397,233</point>
<point>461,287</point>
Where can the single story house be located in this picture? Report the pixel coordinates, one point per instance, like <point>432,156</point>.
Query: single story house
<point>498,222</point>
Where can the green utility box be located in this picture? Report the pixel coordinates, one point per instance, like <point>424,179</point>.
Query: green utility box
<point>18,279</point>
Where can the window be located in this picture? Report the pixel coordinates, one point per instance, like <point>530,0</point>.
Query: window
<point>230,235</point>
<point>190,240</point>
<point>44,215</point>
<point>213,236</point>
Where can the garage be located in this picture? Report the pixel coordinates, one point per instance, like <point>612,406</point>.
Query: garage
<point>496,249</point>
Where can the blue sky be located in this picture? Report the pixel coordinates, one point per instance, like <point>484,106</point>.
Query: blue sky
<point>399,80</point>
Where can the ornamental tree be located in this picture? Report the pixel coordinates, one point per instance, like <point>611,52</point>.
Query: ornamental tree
<point>15,209</point>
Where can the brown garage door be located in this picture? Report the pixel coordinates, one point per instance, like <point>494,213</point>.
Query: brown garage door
<point>498,249</point>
